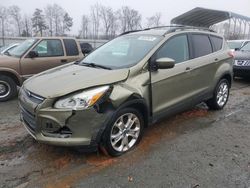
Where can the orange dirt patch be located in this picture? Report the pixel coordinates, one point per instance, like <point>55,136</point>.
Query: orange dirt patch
<point>166,129</point>
<point>95,162</point>
<point>195,113</point>
<point>62,162</point>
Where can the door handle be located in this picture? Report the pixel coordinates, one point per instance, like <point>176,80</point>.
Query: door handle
<point>188,69</point>
<point>64,61</point>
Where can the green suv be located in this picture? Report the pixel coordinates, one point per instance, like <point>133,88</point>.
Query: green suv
<point>129,83</point>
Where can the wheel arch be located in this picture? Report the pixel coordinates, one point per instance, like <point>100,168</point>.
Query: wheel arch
<point>228,77</point>
<point>12,75</point>
<point>137,102</point>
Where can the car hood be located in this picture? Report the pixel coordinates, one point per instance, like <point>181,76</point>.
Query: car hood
<point>69,78</point>
<point>8,61</point>
<point>242,55</point>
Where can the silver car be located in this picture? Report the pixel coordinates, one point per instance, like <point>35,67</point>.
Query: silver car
<point>242,61</point>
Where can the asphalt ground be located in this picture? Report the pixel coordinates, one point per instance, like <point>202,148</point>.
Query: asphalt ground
<point>197,148</point>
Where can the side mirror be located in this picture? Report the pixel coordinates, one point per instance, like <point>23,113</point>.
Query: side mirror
<point>32,54</point>
<point>165,63</point>
<point>86,50</point>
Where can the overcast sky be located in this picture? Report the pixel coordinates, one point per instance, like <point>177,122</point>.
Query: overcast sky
<point>168,8</point>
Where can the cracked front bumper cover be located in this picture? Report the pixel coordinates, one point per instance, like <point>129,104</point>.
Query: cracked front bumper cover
<point>62,127</point>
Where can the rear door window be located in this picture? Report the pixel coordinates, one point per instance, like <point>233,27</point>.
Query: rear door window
<point>71,47</point>
<point>217,42</point>
<point>201,45</point>
<point>175,48</point>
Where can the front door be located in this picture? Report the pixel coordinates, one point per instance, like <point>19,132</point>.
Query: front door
<point>172,87</point>
<point>50,54</point>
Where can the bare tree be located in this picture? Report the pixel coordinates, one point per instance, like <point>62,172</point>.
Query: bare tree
<point>58,19</point>
<point>130,19</point>
<point>15,13</point>
<point>27,31</point>
<point>134,21</point>
<point>108,18</point>
<point>154,21</point>
<point>85,26</point>
<point>114,24</point>
<point>38,21</point>
<point>49,15</point>
<point>3,15</point>
<point>95,17</point>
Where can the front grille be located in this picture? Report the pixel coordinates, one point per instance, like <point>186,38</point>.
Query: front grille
<point>29,119</point>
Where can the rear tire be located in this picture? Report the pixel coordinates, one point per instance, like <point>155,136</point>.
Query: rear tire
<point>220,96</point>
<point>123,132</point>
<point>8,88</point>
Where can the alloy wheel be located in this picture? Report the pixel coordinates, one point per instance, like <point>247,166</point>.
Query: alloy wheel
<point>125,132</point>
<point>222,94</point>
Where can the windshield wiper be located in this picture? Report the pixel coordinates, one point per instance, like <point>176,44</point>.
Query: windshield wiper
<point>7,53</point>
<point>94,65</point>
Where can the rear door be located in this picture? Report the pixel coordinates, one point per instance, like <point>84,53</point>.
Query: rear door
<point>204,62</point>
<point>50,54</point>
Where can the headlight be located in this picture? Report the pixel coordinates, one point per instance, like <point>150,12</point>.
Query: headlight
<point>81,100</point>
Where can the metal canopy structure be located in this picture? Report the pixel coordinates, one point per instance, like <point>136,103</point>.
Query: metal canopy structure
<point>203,17</point>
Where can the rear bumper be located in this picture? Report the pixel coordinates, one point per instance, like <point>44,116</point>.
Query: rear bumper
<point>241,71</point>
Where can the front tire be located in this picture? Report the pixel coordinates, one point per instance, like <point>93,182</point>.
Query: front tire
<point>123,132</point>
<point>220,96</point>
<point>8,88</point>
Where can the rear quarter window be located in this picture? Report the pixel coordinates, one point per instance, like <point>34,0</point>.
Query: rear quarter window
<point>201,45</point>
<point>217,43</point>
<point>71,47</point>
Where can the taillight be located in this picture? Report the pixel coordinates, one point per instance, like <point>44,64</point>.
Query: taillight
<point>231,53</point>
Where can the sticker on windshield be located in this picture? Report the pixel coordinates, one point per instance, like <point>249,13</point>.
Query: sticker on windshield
<point>147,38</point>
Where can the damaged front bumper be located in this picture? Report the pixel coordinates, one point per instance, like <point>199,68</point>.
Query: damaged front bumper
<point>62,127</point>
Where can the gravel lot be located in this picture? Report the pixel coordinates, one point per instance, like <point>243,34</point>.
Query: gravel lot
<point>198,148</point>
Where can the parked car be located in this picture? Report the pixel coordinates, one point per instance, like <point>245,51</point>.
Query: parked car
<point>241,66</point>
<point>34,56</point>
<point>86,47</point>
<point>8,48</point>
<point>237,44</point>
<point>129,83</point>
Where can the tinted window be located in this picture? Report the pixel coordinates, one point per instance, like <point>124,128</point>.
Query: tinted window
<point>217,42</point>
<point>201,45</point>
<point>71,47</point>
<point>175,48</point>
<point>49,48</point>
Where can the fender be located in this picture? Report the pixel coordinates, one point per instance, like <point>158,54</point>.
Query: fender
<point>133,101</point>
<point>13,73</point>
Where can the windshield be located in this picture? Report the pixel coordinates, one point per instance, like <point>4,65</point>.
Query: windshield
<point>234,44</point>
<point>22,48</point>
<point>246,47</point>
<point>122,52</point>
<point>3,48</point>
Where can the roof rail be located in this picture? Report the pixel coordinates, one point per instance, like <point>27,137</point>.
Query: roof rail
<point>189,28</point>
<point>132,31</point>
<point>173,28</point>
<point>164,26</point>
